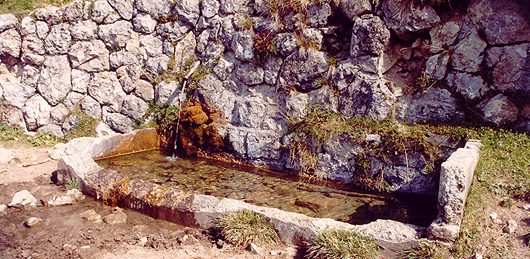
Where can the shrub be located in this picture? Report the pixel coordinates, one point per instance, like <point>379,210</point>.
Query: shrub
<point>338,244</point>
<point>244,227</point>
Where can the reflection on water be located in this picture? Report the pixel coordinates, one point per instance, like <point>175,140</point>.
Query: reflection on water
<point>271,189</point>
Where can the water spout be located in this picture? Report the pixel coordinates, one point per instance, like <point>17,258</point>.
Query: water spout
<point>192,70</point>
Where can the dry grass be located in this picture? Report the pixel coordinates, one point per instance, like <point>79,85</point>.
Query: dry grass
<point>244,227</point>
<point>340,244</point>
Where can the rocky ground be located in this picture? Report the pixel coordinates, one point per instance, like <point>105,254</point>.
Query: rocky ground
<point>87,228</point>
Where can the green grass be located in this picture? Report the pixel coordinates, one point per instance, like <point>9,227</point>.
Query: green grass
<point>340,244</point>
<point>23,7</point>
<point>86,126</point>
<point>423,251</point>
<point>244,227</point>
<point>16,136</point>
<point>72,183</point>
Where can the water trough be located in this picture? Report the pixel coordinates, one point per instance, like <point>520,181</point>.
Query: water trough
<point>201,210</point>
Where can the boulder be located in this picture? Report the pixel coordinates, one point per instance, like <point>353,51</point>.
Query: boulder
<point>250,74</point>
<point>187,11</point>
<point>58,40</point>
<point>115,35</point>
<point>242,44</point>
<point>123,7</point>
<point>317,14</point>
<point>185,50</point>
<point>80,80</point>
<point>33,45</point>
<point>106,89</point>
<point>30,75</point>
<point>209,8</point>
<point>71,123</point>
<point>133,107</point>
<point>436,66</point>
<point>17,94</point>
<point>173,31</point>
<point>511,67</point>
<point>272,69</point>
<point>367,98</point>
<point>211,91</point>
<point>313,36</point>
<point>115,218</point>
<point>36,112</point>
<point>7,21</point>
<point>128,76</point>
<point>158,9</point>
<point>167,93</point>
<point>354,8</point>
<point>303,69</point>
<point>58,114</point>
<point>119,122</point>
<point>434,104</point>
<point>102,12</point>
<point>91,107</point>
<point>150,46</point>
<point>470,86</point>
<point>55,80</point>
<point>51,129</point>
<point>155,66</point>
<point>90,56</point>
<point>144,90</point>
<point>124,58</point>
<point>286,43</point>
<point>232,6</point>
<point>469,53</point>
<point>51,15</point>
<point>224,68</point>
<point>27,26</point>
<point>443,36</point>
<point>405,18</point>
<point>499,109</point>
<point>369,36</point>
<point>77,10</point>
<point>10,43</point>
<point>84,30</point>
<point>144,23</point>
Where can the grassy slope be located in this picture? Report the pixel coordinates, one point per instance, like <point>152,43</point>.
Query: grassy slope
<point>22,7</point>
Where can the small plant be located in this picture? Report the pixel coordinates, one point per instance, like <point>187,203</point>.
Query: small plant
<point>264,46</point>
<point>340,244</point>
<point>245,24</point>
<point>423,251</point>
<point>86,126</point>
<point>244,227</point>
<point>420,84</point>
<point>72,183</point>
<point>332,61</point>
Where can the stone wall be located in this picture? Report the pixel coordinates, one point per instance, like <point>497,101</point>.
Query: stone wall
<point>414,63</point>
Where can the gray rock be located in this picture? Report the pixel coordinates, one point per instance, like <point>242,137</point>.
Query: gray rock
<point>227,30</point>
<point>133,107</point>
<point>119,122</point>
<point>102,12</point>
<point>469,53</point>
<point>443,36</point>
<point>91,107</point>
<point>76,10</point>
<point>72,100</point>
<point>242,44</point>
<point>30,75</point>
<point>499,109</point>
<point>7,21</point>
<point>318,14</point>
<point>80,80</point>
<point>123,7</point>
<point>337,162</point>
<point>18,94</point>
<point>224,68</point>
<point>58,114</point>
<point>55,81</point>
<point>128,76</point>
<point>27,26</point>
<point>302,69</point>
<point>436,66</point>
<point>167,93</point>
<point>313,36</point>
<point>32,222</point>
<point>150,46</point>
<point>144,23</point>
<point>354,8</point>
<point>115,35</point>
<point>470,86</point>
<point>156,66</point>
<point>103,130</point>
<point>71,123</point>
<point>158,9</point>
<point>250,74</point>
<point>84,30</point>
<point>403,179</point>
<point>90,56</point>
<point>51,129</point>
<point>106,89</point>
<point>286,43</point>
<point>124,58</point>
<point>168,48</point>
<point>212,53</point>
<point>403,20</point>
<point>511,67</point>
<point>272,69</point>
<point>115,218</point>
<point>187,11</point>
<point>369,36</point>
<point>144,90</point>
<point>58,40</point>
<point>51,15</point>
<point>32,44</point>
<point>185,50</point>
<point>232,6</point>
<point>209,8</point>
<point>367,98</point>
<point>212,92</point>
<point>33,59</point>
<point>173,31</point>
<point>434,104</point>
<point>344,74</point>
<point>503,22</point>
<point>23,198</point>
<point>42,29</point>
<point>10,43</point>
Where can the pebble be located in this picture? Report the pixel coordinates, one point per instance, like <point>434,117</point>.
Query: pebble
<point>115,218</point>
<point>511,227</point>
<point>85,247</point>
<point>143,241</point>
<point>493,216</point>
<point>90,215</point>
<point>23,198</point>
<point>255,249</point>
<point>33,221</point>
<point>3,209</point>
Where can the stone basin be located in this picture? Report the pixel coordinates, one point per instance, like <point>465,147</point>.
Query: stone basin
<point>200,210</point>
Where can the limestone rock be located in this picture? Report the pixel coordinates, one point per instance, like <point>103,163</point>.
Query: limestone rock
<point>144,23</point>
<point>103,130</point>
<point>434,104</point>
<point>36,112</point>
<point>232,6</point>
<point>32,222</point>
<point>499,109</point>
<point>58,40</point>
<point>58,114</point>
<point>123,7</point>
<point>33,45</point>
<point>115,35</point>
<point>318,14</point>
<point>102,12</point>
<point>119,122</point>
<point>209,8</point>
<point>76,10</point>
<point>156,66</point>
<point>511,67</point>
<point>188,11</point>
<point>91,107</point>
<point>18,94</point>
<point>27,26</point>
<point>84,30</point>
<point>134,107</point>
<point>144,90</point>
<point>302,69</point>
<point>369,36</point>
<point>286,43</point>
<point>115,218</point>
<point>313,36</point>
<point>106,89</point>
<point>402,20</point>
<point>80,80</point>
<point>52,15</point>
<point>51,129</point>
<point>10,43</point>
<point>354,8</point>
<point>7,21</point>
<point>23,198</point>
<point>469,53</point>
<point>185,50</point>
<point>443,36</point>
<point>173,31</point>
<point>124,58</point>
<point>470,86</point>
<point>158,9</point>
<point>224,68</point>
<point>367,98</point>
<point>242,45</point>
<point>70,123</point>
<point>272,69</point>
<point>212,92</point>
<point>436,66</point>
<point>90,56</point>
<point>55,80</point>
<point>150,46</point>
<point>250,74</point>
<point>71,196</point>
<point>167,93</point>
<point>128,76</point>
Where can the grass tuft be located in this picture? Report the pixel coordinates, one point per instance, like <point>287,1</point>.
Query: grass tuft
<point>244,227</point>
<point>340,244</point>
<point>423,251</point>
<point>72,183</point>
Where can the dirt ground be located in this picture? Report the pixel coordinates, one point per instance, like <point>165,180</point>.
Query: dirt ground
<point>63,233</point>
